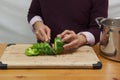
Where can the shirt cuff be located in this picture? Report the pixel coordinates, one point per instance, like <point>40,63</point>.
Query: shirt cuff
<point>89,36</point>
<point>35,19</point>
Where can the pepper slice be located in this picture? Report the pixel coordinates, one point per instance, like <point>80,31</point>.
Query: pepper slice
<point>48,49</point>
<point>44,48</point>
<point>32,51</point>
<point>58,45</point>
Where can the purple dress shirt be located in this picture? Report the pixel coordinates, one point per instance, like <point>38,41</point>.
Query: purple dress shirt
<point>77,15</point>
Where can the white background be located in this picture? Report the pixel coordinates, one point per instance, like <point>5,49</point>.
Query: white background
<point>14,27</point>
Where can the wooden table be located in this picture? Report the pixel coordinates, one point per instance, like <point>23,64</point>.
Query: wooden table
<point>109,71</point>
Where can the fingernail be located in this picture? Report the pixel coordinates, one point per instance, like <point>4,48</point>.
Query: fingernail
<point>46,40</point>
<point>59,36</point>
<point>49,38</point>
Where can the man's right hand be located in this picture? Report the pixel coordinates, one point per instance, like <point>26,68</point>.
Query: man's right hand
<point>42,31</point>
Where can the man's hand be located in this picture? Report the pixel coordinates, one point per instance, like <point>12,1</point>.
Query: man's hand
<point>72,40</point>
<point>42,31</point>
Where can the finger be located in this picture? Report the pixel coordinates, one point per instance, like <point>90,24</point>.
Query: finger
<point>67,32</point>
<point>59,36</point>
<point>48,32</point>
<point>63,34</point>
<point>71,45</point>
<point>39,36</point>
<point>68,38</point>
<point>44,35</point>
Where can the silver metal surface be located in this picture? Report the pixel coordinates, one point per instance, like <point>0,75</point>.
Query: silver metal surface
<point>110,38</point>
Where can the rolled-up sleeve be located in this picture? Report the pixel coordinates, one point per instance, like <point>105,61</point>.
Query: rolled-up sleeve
<point>34,10</point>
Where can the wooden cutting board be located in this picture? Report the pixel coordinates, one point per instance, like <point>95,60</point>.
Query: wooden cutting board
<point>83,57</point>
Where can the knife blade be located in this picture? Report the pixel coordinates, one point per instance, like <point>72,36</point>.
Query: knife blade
<point>49,42</point>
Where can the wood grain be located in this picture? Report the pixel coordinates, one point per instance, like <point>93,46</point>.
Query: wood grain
<point>83,57</point>
<point>2,48</point>
<point>109,71</point>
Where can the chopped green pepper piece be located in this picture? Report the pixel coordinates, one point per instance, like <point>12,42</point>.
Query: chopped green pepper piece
<point>58,46</point>
<point>32,51</point>
<point>47,49</point>
<point>44,48</point>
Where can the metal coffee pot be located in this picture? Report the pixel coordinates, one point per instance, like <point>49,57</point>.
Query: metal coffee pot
<point>110,37</point>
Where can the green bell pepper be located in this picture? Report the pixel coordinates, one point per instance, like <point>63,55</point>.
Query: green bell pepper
<point>47,49</point>
<point>44,48</point>
<point>32,51</point>
<point>58,45</point>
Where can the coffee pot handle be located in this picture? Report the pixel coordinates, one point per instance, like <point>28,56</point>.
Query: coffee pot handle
<point>99,20</point>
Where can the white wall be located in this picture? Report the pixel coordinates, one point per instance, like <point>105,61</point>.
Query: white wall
<point>14,27</point>
<point>114,8</point>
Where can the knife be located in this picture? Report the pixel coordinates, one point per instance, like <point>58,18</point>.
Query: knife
<point>49,42</point>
